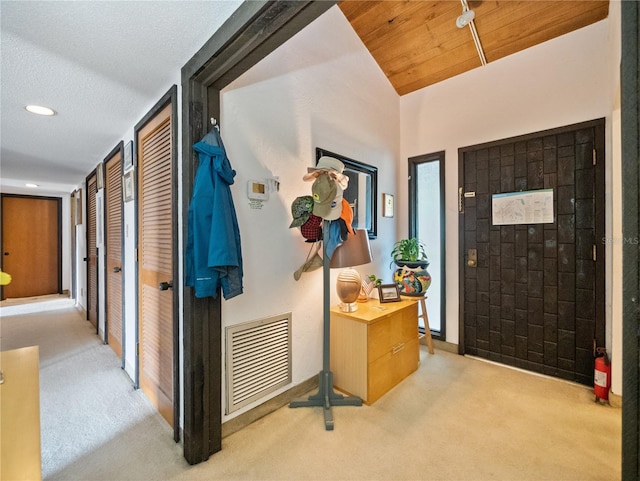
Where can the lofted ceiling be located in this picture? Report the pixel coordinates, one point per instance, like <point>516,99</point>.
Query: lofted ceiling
<point>417,43</point>
<point>102,64</point>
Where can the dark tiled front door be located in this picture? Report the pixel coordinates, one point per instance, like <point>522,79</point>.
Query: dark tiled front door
<point>534,298</point>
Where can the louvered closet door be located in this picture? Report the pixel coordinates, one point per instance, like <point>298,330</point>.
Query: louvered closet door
<point>113,203</point>
<point>155,256</point>
<point>92,253</point>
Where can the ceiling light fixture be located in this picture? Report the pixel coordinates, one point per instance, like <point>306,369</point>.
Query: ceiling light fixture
<point>466,18</point>
<point>33,186</point>
<point>40,110</point>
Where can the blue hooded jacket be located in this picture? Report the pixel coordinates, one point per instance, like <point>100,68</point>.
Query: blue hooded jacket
<point>213,256</point>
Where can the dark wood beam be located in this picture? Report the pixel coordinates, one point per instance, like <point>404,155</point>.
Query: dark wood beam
<point>256,29</point>
<point>630,92</point>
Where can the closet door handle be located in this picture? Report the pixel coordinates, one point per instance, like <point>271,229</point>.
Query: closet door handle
<point>117,269</point>
<point>166,285</point>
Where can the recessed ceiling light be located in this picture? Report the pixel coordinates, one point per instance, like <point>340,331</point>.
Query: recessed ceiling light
<point>40,110</point>
<point>33,186</point>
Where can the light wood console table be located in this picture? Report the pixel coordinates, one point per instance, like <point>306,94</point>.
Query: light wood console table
<point>20,415</point>
<point>374,348</point>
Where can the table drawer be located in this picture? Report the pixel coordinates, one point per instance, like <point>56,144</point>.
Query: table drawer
<point>390,331</point>
<point>391,368</point>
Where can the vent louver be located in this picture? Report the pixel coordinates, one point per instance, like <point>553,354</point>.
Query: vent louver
<point>258,359</point>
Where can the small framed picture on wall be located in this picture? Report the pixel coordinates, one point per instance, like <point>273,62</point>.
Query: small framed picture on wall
<point>100,176</point>
<point>76,206</point>
<point>128,156</point>
<point>128,191</point>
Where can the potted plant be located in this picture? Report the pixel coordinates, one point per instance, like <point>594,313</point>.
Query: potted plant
<point>411,275</point>
<point>375,280</point>
<point>409,251</point>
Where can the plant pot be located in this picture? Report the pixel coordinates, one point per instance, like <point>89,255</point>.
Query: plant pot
<point>412,278</point>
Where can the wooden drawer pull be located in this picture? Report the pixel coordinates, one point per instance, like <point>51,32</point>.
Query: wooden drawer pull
<point>397,348</point>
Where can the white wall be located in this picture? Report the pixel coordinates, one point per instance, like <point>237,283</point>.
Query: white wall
<point>320,89</point>
<point>66,242</point>
<point>561,82</point>
<point>130,286</point>
<point>81,254</point>
<point>102,267</point>
<point>614,204</point>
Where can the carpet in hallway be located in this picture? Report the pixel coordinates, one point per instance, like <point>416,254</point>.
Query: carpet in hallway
<point>456,418</point>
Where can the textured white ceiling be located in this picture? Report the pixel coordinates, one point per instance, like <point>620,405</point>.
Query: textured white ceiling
<point>100,65</point>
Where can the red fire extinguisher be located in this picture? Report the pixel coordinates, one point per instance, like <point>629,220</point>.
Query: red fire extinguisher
<point>601,375</point>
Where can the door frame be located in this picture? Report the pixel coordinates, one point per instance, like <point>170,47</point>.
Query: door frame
<point>630,91</point>
<point>74,257</point>
<point>59,239</point>
<point>252,32</point>
<point>599,217</point>
<point>93,173</point>
<point>170,97</point>
<point>413,166</point>
<point>117,149</point>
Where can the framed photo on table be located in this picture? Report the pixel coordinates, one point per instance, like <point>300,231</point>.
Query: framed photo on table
<point>388,293</point>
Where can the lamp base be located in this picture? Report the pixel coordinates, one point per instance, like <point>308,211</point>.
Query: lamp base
<point>348,306</point>
<point>348,286</point>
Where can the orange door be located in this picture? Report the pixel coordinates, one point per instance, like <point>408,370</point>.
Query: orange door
<point>155,256</point>
<point>113,205</point>
<point>31,245</point>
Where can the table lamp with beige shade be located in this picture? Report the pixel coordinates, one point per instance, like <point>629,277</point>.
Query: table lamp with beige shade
<point>355,251</point>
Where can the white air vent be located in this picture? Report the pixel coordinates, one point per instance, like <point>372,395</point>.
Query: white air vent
<point>258,359</point>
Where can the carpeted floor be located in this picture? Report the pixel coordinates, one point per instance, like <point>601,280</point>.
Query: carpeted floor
<point>26,305</point>
<point>456,418</point>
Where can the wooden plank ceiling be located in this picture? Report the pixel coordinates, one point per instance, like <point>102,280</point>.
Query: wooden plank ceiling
<point>416,43</point>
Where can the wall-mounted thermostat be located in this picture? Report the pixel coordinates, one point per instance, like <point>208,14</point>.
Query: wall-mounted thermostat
<point>257,190</point>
